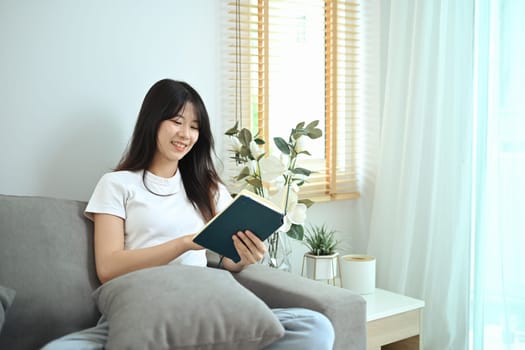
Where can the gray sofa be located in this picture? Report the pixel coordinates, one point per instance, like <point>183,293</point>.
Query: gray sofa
<point>47,263</point>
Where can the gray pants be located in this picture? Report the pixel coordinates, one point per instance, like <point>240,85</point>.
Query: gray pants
<point>304,329</point>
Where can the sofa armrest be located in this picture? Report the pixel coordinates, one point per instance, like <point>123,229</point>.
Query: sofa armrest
<point>278,289</point>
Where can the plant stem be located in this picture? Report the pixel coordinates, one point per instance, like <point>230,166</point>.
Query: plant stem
<point>258,175</point>
<point>288,179</point>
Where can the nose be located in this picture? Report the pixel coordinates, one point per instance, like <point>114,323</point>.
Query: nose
<point>185,131</point>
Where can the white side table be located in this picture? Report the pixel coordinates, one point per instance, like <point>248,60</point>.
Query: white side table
<point>393,321</point>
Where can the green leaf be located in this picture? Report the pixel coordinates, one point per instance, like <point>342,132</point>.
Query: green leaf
<point>312,124</point>
<point>306,202</point>
<point>302,171</point>
<point>232,131</point>
<point>305,152</point>
<point>245,136</point>
<point>255,182</point>
<point>245,151</point>
<point>296,232</point>
<point>298,133</point>
<point>282,145</point>
<point>320,240</point>
<point>300,125</point>
<point>244,172</point>
<point>315,133</point>
<point>259,141</point>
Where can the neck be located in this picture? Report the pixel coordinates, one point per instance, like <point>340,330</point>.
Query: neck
<point>163,169</point>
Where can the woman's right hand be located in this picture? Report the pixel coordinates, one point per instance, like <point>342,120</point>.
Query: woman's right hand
<point>187,240</point>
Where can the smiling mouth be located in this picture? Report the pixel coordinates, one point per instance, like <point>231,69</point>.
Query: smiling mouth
<point>179,145</point>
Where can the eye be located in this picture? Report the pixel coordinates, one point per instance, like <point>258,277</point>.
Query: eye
<point>195,127</point>
<point>176,121</point>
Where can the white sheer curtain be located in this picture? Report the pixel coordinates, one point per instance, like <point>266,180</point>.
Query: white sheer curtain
<point>420,221</point>
<point>498,313</point>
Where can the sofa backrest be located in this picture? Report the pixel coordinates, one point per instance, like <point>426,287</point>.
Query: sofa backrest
<point>46,256</point>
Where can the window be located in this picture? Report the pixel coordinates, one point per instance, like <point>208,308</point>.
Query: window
<point>288,61</point>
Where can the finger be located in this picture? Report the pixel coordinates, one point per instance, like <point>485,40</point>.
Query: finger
<point>243,251</point>
<point>253,237</point>
<point>254,244</point>
<point>256,241</point>
<point>247,240</point>
<point>255,251</point>
<point>249,251</point>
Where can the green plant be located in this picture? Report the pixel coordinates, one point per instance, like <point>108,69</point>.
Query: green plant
<point>320,240</point>
<point>277,178</point>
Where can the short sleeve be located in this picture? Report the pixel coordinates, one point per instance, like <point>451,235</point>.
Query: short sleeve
<point>107,198</point>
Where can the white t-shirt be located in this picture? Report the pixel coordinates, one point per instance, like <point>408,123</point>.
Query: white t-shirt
<point>150,219</point>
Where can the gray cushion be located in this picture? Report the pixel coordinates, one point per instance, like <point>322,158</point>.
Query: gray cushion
<point>148,309</point>
<point>6,299</point>
<point>46,256</point>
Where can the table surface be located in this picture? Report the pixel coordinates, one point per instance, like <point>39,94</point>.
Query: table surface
<point>383,303</point>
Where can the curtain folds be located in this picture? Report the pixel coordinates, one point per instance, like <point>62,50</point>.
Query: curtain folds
<point>420,220</point>
<point>447,219</point>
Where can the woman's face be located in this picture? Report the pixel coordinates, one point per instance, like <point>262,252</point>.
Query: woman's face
<point>176,136</point>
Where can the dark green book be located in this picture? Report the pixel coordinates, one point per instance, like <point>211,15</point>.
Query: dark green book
<point>247,211</point>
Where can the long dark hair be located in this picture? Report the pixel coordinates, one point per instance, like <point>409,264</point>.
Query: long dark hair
<point>165,99</point>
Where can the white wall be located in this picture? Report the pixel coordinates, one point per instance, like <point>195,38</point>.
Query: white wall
<point>73,75</point>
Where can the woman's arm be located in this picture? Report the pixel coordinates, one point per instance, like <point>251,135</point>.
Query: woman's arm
<point>112,260</point>
<point>249,247</point>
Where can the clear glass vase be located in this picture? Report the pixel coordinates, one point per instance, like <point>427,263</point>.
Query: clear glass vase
<point>278,254</point>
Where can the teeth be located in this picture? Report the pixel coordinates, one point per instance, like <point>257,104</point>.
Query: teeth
<point>179,144</point>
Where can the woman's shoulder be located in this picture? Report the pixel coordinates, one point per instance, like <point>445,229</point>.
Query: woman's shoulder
<point>111,192</point>
<point>121,177</point>
<point>123,174</point>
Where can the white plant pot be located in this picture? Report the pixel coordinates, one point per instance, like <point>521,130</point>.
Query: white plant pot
<point>321,267</point>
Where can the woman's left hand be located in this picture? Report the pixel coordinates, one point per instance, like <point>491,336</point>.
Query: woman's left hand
<point>249,247</point>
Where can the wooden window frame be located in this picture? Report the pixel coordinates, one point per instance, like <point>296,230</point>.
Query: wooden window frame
<point>337,179</point>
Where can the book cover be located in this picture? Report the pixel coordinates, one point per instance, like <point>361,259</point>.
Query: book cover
<point>247,211</point>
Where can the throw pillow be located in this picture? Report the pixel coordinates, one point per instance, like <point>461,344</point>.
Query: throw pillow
<point>6,299</point>
<point>184,307</point>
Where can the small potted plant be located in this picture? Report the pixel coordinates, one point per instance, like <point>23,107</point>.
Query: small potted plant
<point>321,260</point>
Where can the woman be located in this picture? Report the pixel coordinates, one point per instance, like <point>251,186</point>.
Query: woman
<point>163,191</point>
